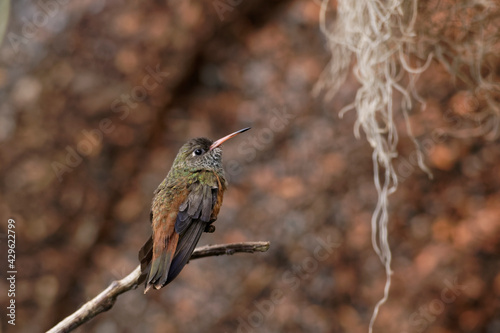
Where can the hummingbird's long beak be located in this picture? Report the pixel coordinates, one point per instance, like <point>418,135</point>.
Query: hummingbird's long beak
<point>227,137</point>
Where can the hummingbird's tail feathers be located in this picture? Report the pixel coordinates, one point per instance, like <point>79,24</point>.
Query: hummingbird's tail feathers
<point>145,257</point>
<point>162,254</point>
<point>185,247</point>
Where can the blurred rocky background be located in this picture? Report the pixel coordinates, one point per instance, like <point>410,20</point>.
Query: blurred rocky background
<point>96,97</point>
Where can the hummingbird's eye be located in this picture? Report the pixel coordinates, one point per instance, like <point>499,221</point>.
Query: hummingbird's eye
<point>198,152</point>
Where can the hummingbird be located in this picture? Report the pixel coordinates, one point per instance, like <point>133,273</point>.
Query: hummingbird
<point>184,206</point>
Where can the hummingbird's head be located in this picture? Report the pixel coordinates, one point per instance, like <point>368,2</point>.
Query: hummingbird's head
<point>203,154</point>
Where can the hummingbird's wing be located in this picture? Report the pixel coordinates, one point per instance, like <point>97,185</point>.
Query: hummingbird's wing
<point>198,206</point>
<point>175,236</point>
<point>194,215</point>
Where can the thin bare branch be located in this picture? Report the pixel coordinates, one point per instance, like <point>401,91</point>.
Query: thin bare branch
<point>107,298</point>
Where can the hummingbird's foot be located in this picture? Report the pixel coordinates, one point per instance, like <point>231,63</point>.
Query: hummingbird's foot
<point>210,228</point>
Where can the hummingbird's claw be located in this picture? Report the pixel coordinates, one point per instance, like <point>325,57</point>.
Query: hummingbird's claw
<point>210,228</point>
